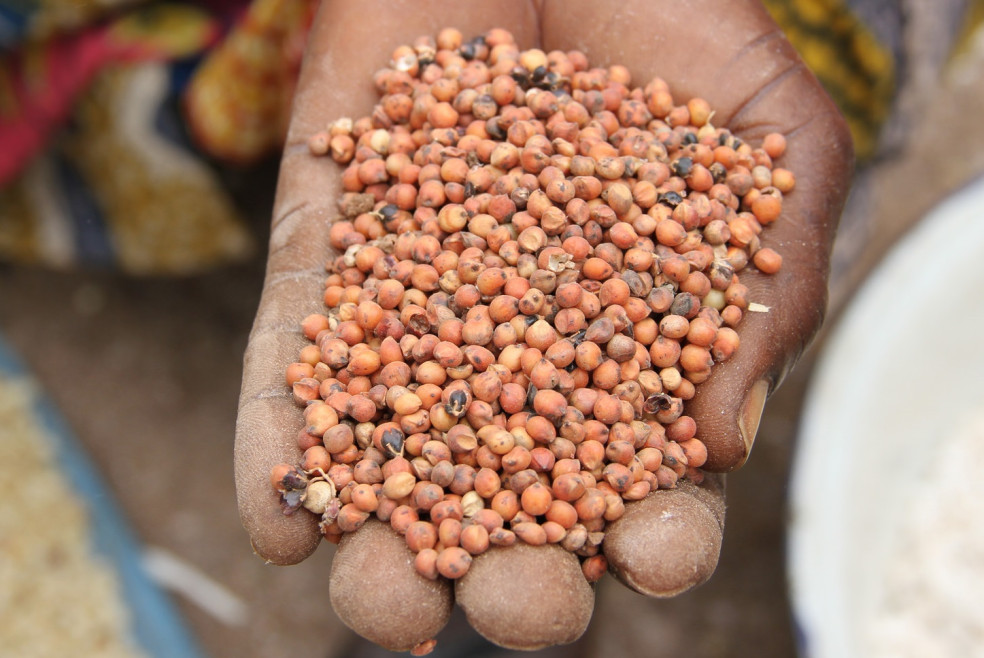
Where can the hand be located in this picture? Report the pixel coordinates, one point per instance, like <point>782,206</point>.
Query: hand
<point>732,55</point>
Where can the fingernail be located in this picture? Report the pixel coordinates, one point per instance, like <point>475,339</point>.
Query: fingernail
<point>751,414</point>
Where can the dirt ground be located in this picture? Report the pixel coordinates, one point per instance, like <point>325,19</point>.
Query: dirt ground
<point>147,374</point>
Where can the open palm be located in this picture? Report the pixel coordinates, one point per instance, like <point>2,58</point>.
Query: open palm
<point>731,54</point>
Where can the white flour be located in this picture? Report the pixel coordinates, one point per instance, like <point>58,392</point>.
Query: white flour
<point>933,601</point>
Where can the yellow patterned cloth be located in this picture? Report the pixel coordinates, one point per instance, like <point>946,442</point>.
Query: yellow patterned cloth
<point>238,102</point>
<point>858,70</point>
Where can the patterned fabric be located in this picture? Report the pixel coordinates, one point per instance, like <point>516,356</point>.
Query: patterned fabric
<point>41,19</point>
<point>859,70</point>
<point>114,114</point>
<point>238,102</point>
<point>113,125</point>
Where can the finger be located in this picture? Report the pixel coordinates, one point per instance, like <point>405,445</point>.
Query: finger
<point>376,591</point>
<point>739,61</point>
<point>268,421</point>
<point>348,42</point>
<point>729,405</point>
<point>670,541</point>
<point>526,597</point>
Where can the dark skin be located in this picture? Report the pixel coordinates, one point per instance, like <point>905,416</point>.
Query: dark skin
<point>731,54</point>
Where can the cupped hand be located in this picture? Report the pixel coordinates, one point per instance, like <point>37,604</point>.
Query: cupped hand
<point>731,54</point>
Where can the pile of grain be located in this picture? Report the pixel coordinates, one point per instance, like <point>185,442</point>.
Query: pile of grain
<point>56,597</point>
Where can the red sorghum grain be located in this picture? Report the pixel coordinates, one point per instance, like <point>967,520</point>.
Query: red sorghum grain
<point>534,267</point>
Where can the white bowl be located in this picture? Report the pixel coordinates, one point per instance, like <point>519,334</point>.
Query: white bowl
<point>899,376</point>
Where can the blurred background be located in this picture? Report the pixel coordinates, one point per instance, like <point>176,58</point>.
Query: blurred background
<point>137,173</point>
